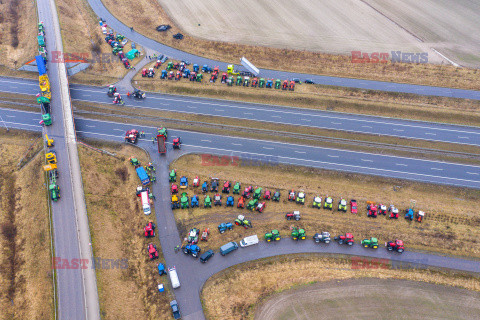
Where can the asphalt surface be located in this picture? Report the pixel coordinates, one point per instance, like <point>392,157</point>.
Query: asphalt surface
<point>192,273</point>
<point>119,27</point>
<point>277,152</point>
<point>69,287</point>
<point>272,114</point>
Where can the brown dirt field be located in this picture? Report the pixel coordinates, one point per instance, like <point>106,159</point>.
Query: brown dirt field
<point>81,34</point>
<point>448,110</point>
<point>26,290</point>
<point>365,298</point>
<point>116,226</point>
<point>18,36</point>
<point>152,15</point>
<point>225,295</point>
<point>449,225</point>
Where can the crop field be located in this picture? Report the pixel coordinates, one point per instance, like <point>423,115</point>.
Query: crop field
<point>450,226</point>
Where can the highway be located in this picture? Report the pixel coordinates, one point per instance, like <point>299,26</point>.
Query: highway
<point>364,124</point>
<point>100,10</point>
<point>278,152</point>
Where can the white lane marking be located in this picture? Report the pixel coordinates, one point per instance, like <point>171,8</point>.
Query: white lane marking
<point>302,152</point>
<point>15,87</point>
<point>473,173</point>
<point>398,130</point>
<point>87,95</point>
<point>366,160</point>
<point>276,116</point>
<point>438,169</point>
<point>307,120</point>
<point>8,116</point>
<point>119,130</point>
<point>268,148</point>
<point>89,126</point>
<point>236,144</point>
<point>430,133</point>
<point>247,113</point>
<point>336,122</point>
<point>401,164</point>
<point>366,127</point>
<point>463,137</point>
<point>191,107</point>
<point>206,140</point>
<point>329,155</point>
<point>220,110</point>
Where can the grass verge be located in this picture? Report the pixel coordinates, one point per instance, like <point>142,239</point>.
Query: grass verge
<point>116,225</point>
<point>26,290</point>
<point>225,295</point>
<point>450,226</point>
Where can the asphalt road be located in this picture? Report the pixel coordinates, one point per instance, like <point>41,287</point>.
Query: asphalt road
<point>70,291</point>
<point>277,152</point>
<point>119,27</point>
<point>272,114</point>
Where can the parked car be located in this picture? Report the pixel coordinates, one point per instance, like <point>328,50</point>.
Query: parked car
<point>175,310</point>
<point>296,80</point>
<point>228,247</point>
<point>164,27</point>
<point>178,36</point>
<point>206,256</point>
<point>309,81</point>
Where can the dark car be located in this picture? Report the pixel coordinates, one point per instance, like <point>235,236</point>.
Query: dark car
<point>246,74</point>
<point>163,59</point>
<point>163,27</point>
<point>206,256</point>
<point>178,36</point>
<point>296,80</point>
<point>310,81</point>
<point>187,63</point>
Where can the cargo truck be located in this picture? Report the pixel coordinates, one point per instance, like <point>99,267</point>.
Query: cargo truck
<point>143,176</point>
<point>161,143</point>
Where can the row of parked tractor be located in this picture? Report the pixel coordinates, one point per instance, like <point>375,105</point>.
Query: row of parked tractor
<point>179,70</point>
<point>117,42</point>
<point>258,194</point>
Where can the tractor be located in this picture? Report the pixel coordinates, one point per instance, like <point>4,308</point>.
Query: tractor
<point>117,98</point>
<point>393,211</point>
<point>276,196</point>
<point>370,243</point>
<point>241,203</point>
<point>217,200</point>
<point>175,202</point>
<point>246,81</point>
<point>226,187</point>
<point>194,201</point>
<point>252,204</point>
<point>134,162</point>
<point>224,78</point>
<point>224,227</point>
<point>267,195</point>
<point>261,206</point>
<point>191,249</point>
<point>292,86</point>
<point>292,195</point>
<point>236,188</point>
<point>213,78</point>
<point>274,235</point>
<point>193,236</point>
<point>396,245</point>
<point>241,221</point>
<point>174,188</point>
<point>298,234</point>
<point>206,68</point>
<point>195,67</point>
<point>207,202</point>
<point>278,83</point>
<point>300,198</point>
<point>181,67</point>
<point>205,187</point>
<point>269,84</point>
<point>158,64</point>
<point>230,81</point>
<point>152,251</point>
<point>131,136</point>
<point>164,74</point>
<point>199,77</point>
<point>419,216</point>
<point>322,237</point>
<point>342,205</point>
<point>257,194</point>
<point>149,230</point>
<point>254,82</point>
<point>170,66</point>
<point>239,81</point>
<point>161,269</point>
<point>295,215</point>
<point>183,182</point>
<point>328,204</point>
<point>137,94</point>
<point>409,214</point>
<point>261,83</point>
<point>176,65</point>
<point>247,192</point>
<point>184,201</point>
<point>171,75</point>
<point>214,184</point>
<point>382,209</point>
<point>196,182</point>
<point>317,202</point>
<point>230,201</point>
<point>193,76</point>
<point>178,75</point>
<point>285,85</point>
<point>173,175</point>
<point>163,132</point>
<point>151,73</point>
<point>186,73</point>
<point>205,234</point>
<point>54,192</point>
<point>111,90</point>
<point>345,239</point>
<point>371,209</point>
<point>353,206</point>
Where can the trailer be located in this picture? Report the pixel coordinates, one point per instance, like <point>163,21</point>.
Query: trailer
<point>161,143</point>
<point>249,66</point>
<point>143,176</point>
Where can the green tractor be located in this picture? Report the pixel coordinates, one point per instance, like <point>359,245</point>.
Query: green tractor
<point>252,204</point>
<point>328,203</point>
<point>242,221</point>
<point>230,81</point>
<point>199,77</point>
<point>272,236</point>
<point>239,81</point>
<point>172,176</point>
<point>342,205</point>
<point>278,84</point>
<point>119,38</point>
<point>47,119</point>
<point>54,192</point>
<point>170,66</point>
<point>236,188</point>
<point>257,194</point>
<point>207,202</point>
<point>41,28</point>
<point>370,243</point>
<point>300,198</point>
<point>184,201</point>
<point>317,202</point>
<point>261,83</point>
<point>134,161</point>
<point>163,132</point>
<point>298,234</point>
<point>116,50</point>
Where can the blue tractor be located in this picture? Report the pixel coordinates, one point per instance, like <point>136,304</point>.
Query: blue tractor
<point>192,249</point>
<point>161,269</point>
<point>194,201</point>
<point>164,74</point>
<point>183,182</point>
<point>195,67</point>
<point>205,187</point>
<point>206,68</point>
<point>230,201</point>
<point>224,227</point>
<point>186,73</point>
<point>409,214</point>
<point>269,84</point>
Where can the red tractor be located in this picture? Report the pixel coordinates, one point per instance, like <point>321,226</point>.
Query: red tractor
<point>149,230</point>
<point>176,143</point>
<point>170,75</point>
<point>217,200</point>
<point>371,209</point>
<point>241,203</point>
<point>260,207</point>
<point>144,72</point>
<point>247,192</point>
<point>213,78</point>
<point>215,72</point>
<point>224,78</point>
<point>382,209</point>
<point>396,245</point>
<point>178,75</point>
<point>291,195</point>
<point>267,195</point>
<point>196,182</point>
<point>295,215</point>
<point>193,76</point>
<point>292,85</point>
<point>285,85</point>
<point>176,65</point>
<point>158,64</point>
<point>152,251</point>
<point>254,82</point>
<point>393,212</point>
<point>226,187</point>
<point>131,136</point>
<point>419,216</point>
<point>345,239</point>
<point>205,234</point>
<point>174,188</point>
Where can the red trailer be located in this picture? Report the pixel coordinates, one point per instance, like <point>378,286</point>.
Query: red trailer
<point>161,144</point>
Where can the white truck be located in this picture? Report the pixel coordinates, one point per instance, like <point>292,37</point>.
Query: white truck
<point>172,272</point>
<point>249,241</point>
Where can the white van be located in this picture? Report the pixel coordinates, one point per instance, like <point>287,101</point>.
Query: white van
<point>249,241</point>
<point>145,203</point>
<point>172,272</point>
